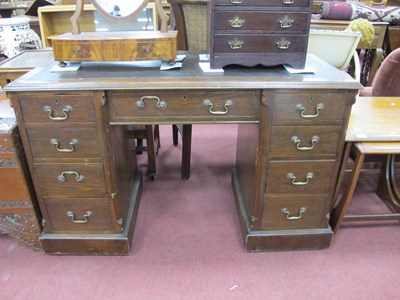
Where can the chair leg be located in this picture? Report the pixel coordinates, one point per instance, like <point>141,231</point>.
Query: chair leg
<point>186,150</point>
<point>157,140</point>
<point>175,135</point>
<point>151,151</point>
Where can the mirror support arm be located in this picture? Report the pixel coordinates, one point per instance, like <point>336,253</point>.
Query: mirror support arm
<point>162,15</point>
<point>76,17</point>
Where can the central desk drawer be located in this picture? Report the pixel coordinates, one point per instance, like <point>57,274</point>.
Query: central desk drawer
<point>206,105</point>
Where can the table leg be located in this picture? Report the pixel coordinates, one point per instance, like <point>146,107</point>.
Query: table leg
<point>340,209</point>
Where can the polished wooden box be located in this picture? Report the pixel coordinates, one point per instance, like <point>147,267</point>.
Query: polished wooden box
<point>259,32</point>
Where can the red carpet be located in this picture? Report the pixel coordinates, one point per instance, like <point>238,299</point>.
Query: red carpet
<point>187,245</point>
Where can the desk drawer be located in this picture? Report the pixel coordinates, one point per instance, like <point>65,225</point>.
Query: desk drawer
<point>294,212</point>
<point>304,141</point>
<point>307,107</point>
<point>53,142</point>
<point>300,176</point>
<point>71,180</point>
<point>79,215</point>
<point>57,108</point>
<point>209,105</point>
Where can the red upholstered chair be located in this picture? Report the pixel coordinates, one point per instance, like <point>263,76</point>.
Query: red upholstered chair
<point>386,82</point>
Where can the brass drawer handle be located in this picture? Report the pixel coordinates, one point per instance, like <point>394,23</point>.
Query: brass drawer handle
<point>77,50</point>
<point>292,177</point>
<point>283,44</point>
<point>85,219</point>
<point>228,103</point>
<point>236,1</point>
<point>296,140</point>
<point>72,144</point>
<point>286,22</point>
<point>66,110</point>
<point>237,22</point>
<point>161,104</point>
<point>235,44</point>
<point>287,2</point>
<point>286,212</point>
<point>318,109</point>
<point>78,177</point>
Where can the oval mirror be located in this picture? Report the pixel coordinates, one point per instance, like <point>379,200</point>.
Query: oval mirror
<point>120,10</point>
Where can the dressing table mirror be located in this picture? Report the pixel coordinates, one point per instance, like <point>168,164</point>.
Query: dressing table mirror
<point>116,46</point>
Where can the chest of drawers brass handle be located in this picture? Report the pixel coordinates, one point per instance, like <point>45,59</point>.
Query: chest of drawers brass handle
<point>287,2</point>
<point>66,110</point>
<point>235,44</point>
<point>292,178</point>
<point>286,22</point>
<point>85,219</point>
<point>283,44</point>
<point>228,103</point>
<point>296,140</point>
<point>161,104</point>
<point>286,212</point>
<point>72,144</point>
<point>78,177</point>
<point>237,22</point>
<point>318,109</point>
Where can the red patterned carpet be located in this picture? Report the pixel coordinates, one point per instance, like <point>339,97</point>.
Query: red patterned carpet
<point>187,245</point>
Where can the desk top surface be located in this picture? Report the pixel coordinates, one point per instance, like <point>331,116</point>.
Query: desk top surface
<point>147,75</point>
<point>374,119</point>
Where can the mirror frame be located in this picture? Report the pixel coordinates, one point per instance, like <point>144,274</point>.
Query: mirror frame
<point>106,14</point>
<point>79,10</point>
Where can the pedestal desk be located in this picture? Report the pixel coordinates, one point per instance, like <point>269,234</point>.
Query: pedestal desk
<point>289,144</point>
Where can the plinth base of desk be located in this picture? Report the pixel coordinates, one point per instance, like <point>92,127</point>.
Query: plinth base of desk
<point>97,244</point>
<point>277,240</point>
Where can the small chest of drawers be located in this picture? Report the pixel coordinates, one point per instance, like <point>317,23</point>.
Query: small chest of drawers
<point>251,32</point>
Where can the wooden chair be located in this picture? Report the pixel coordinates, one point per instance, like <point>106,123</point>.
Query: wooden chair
<point>151,134</point>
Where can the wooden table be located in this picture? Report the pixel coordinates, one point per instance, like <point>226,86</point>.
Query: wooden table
<point>6,10</point>
<point>18,65</point>
<point>374,124</point>
<point>289,142</point>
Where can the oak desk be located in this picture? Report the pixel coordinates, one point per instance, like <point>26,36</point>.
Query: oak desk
<point>289,145</point>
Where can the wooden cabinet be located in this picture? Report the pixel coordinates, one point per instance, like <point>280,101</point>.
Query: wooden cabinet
<point>19,214</point>
<point>259,32</point>
<point>289,143</point>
